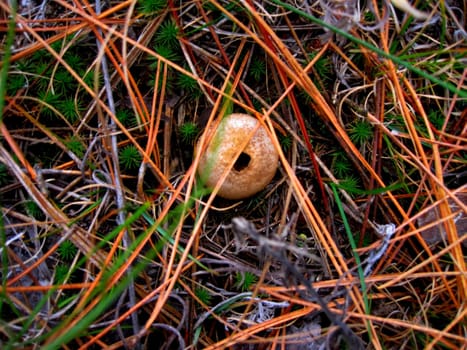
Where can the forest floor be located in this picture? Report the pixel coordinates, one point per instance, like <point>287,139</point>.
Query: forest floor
<point>109,239</point>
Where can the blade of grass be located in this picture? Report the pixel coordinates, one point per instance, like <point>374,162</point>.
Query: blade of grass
<point>6,57</point>
<point>3,79</point>
<point>105,292</point>
<point>167,237</point>
<point>354,252</point>
<point>374,191</point>
<point>382,53</point>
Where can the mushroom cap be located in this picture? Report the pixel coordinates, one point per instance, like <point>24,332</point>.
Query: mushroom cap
<point>252,170</point>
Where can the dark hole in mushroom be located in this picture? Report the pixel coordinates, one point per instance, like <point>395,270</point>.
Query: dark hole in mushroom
<point>242,162</point>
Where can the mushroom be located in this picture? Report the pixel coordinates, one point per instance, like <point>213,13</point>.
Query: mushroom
<point>256,163</point>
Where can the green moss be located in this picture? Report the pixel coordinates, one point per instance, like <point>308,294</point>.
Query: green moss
<point>244,281</point>
<point>130,158</point>
<point>67,250</point>
<point>188,132</point>
<point>203,295</point>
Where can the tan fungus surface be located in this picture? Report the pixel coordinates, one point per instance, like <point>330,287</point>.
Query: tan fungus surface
<point>253,169</point>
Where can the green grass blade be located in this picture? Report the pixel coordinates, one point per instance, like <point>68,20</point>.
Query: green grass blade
<point>5,61</point>
<point>354,251</point>
<point>395,59</point>
<point>3,80</point>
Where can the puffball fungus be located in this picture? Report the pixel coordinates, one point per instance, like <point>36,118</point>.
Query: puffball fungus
<point>252,170</point>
